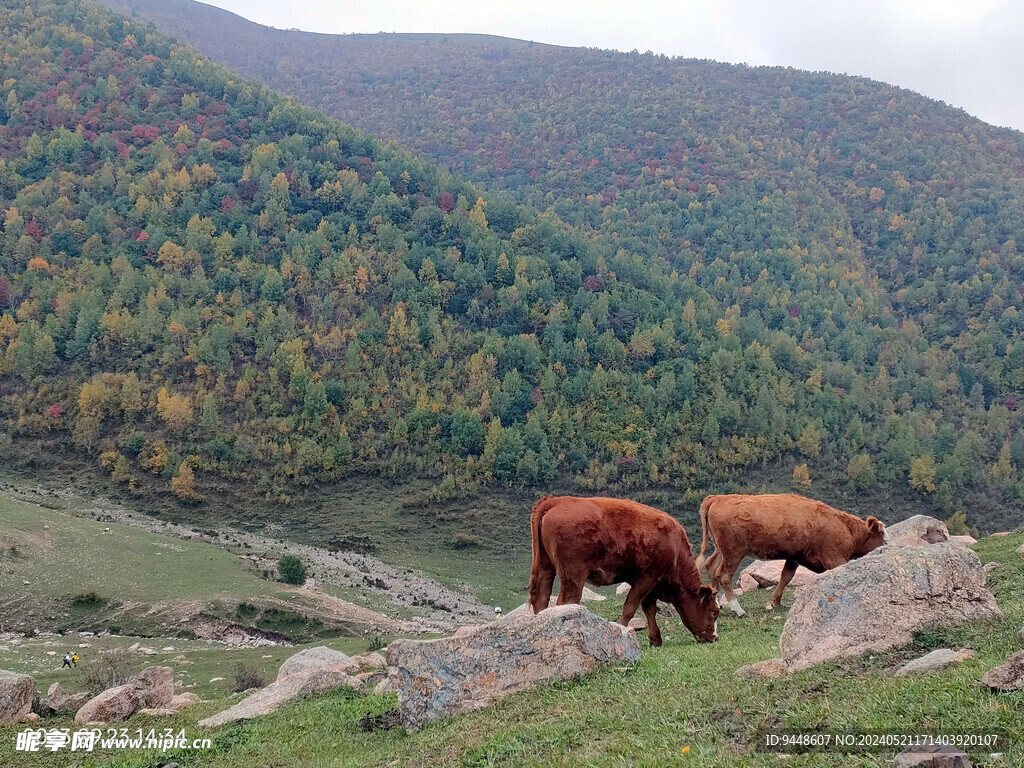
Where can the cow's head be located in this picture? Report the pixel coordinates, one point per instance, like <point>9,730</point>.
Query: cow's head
<point>874,536</point>
<point>699,612</point>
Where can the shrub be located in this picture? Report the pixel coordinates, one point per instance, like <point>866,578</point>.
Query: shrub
<point>218,449</point>
<point>133,444</point>
<point>245,676</point>
<point>87,599</point>
<point>291,570</point>
<point>956,524</point>
<point>106,670</point>
<point>466,541</point>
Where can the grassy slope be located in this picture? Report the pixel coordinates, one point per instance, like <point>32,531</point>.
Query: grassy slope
<point>48,557</point>
<point>418,537</point>
<point>682,695</point>
<point>206,660</point>
<point>65,556</point>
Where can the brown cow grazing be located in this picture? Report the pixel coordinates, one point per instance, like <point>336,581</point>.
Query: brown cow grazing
<point>605,541</point>
<point>781,526</point>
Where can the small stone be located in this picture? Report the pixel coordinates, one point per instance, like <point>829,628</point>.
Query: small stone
<point>937,660</point>
<point>766,573</point>
<point>180,701</point>
<point>931,756</point>
<point>590,596</point>
<point>1009,676</point>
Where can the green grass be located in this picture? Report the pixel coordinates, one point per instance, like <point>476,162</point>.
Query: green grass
<point>683,695</point>
<point>417,536</point>
<point>67,573</point>
<point>205,660</point>
<point>62,556</point>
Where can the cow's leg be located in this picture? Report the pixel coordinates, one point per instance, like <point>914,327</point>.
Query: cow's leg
<point>540,598</point>
<point>650,606</point>
<point>637,592</point>
<point>724,573</point>
<point>712,566</point>
<point>571,589</point>
<point>788,572</point>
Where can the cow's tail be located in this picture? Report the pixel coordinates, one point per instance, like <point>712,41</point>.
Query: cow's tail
<point>704,532</point>
<point>541,560</point>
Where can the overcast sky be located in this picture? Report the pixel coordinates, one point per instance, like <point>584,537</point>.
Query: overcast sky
<point>968,53</point>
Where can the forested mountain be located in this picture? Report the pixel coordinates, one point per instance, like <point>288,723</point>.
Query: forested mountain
<point>732,266</point>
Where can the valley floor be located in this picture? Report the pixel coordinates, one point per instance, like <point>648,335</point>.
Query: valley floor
<point>681,705</point>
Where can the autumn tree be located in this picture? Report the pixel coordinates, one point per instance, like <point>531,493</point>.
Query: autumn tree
<point>922,473</point>
<point>801,478</point>
<point>184,483</point>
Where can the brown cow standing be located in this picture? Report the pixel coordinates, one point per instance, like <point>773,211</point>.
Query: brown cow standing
<point>605,541</point>
<point>782,526</point>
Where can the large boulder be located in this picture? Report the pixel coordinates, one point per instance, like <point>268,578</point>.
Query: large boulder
<point>111,706</point>
<point>15,696</point>
<point>58,700</point>
<point>965,540</point>
<point>766,573</point>
<point>481,664</point>
<point>308,671</point>
<point>370,661</point>
<point>156,686</point>
<point>878,601</point>
<point>935,661</point>
<point>153,687</point>
<point>1009,676</point>
<point>916,531</point>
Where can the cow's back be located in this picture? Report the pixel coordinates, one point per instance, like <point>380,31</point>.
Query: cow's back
<point>777,526</point>
<point>609,535</point>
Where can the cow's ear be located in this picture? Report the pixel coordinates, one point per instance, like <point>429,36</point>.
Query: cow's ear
<point>874,524</point>
<point>705,593</point>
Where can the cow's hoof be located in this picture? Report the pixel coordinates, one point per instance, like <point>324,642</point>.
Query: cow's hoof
<point>735,606</point>
<point>656,643</point>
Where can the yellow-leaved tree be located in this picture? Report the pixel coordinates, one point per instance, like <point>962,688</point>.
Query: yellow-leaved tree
<point>184,485</point>
<point>801,478</point>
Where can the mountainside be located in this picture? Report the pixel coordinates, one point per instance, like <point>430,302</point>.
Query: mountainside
<point>200,279</point>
